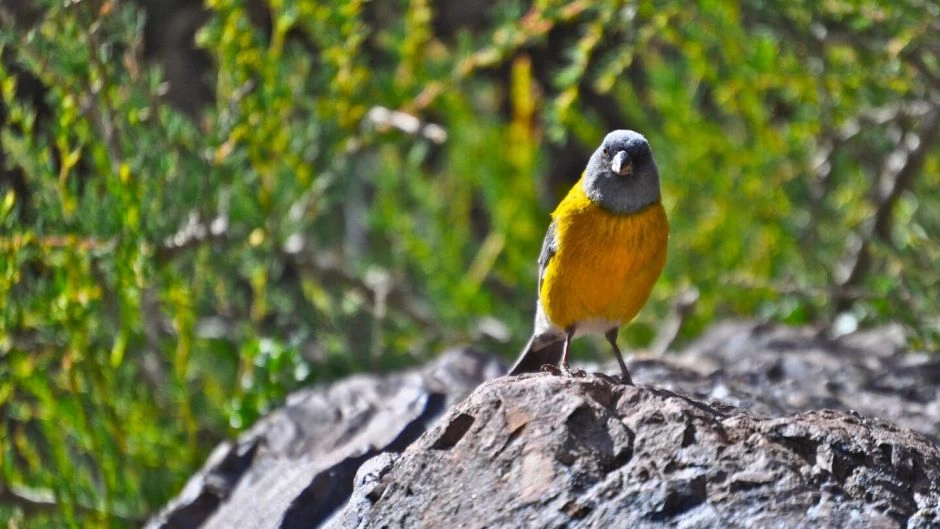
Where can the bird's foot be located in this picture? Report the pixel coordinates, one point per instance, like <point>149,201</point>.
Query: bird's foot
<point>620,380</point>
<point>625,379</point>
<point>607,378</point>
<point>563,370</point>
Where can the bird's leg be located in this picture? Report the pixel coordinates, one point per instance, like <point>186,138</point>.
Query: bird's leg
<point>611,336</point>
<point>563,364</point>
<point>562,368</point>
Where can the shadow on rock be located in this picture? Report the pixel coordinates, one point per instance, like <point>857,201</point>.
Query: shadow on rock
<point>545,451</point>
<point>752,425</point>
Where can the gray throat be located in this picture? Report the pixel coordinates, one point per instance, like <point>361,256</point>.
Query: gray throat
<point>621,194</point>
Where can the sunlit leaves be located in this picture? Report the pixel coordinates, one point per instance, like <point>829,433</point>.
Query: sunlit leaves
<point>168,278</point>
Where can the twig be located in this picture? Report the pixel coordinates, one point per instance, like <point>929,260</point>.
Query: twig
<point>30,501</point>
<point>803,291</point>
<point>383,118</point>
<point>192,234</point>
<point>100,110</point>
<point>196,232</point>
<point>46,242</point>
<point>533,27</point>
<point>328,273</point>
<point>834,140</point>
<point>35,502</point>
<point>897,175</point>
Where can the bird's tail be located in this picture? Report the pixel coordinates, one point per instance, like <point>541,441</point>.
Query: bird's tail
<point>540,350</point>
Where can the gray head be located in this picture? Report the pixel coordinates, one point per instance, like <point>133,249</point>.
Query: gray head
<point>621,175</point>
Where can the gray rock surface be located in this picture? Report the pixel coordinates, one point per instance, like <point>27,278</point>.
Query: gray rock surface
<point>776,370</point>
<point>752,425</point>
<point>295,467</point>
<point>547,451</point>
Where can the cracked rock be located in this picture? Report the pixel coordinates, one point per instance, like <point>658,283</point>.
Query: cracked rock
<point>544,451</point>
<point>753,425</point>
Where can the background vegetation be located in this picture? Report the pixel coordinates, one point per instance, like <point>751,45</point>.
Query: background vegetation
<point>175,257</point>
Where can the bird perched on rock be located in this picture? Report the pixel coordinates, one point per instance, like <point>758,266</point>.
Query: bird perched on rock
<point>604,250</point>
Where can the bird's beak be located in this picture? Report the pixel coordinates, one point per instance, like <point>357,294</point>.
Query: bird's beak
<point>621,164</point>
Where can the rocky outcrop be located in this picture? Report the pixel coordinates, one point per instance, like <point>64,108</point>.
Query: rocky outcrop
<point>776,370</point>
<point>753,425</point>
<point>547,451</point>
<point>296,466</point>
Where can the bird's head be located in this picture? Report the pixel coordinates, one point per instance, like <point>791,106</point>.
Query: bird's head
<point>621,175</point>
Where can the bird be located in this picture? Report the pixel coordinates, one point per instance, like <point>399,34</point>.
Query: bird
<point>603,251</point>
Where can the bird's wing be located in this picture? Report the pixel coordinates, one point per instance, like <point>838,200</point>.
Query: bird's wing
<point>549,247</point>
<point>547,342</point>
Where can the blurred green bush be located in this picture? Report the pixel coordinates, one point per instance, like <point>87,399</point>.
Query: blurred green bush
<point>168,277</point>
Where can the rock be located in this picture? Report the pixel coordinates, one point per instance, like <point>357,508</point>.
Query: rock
<point>296,466</point>
<point>546,451</point>
<point>775,370</point>
<point>752,425</point>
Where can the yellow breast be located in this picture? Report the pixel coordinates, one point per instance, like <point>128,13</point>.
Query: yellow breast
<point>605,263</point>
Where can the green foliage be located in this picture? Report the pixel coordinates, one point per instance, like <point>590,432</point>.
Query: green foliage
<point>167,278</point>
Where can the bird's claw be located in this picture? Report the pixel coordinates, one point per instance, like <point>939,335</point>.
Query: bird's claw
<point>625,379</point>
<point>607,378</point>
<point>617,380</point>
<point>563,370</point>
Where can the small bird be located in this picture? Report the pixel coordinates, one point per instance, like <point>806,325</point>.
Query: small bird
<point>604,250</point>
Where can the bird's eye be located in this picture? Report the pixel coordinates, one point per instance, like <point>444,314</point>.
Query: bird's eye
<point>605,152</point>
